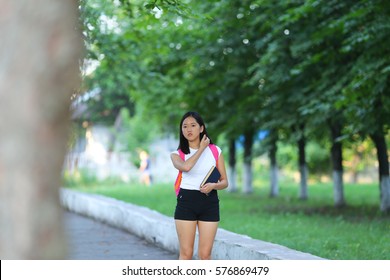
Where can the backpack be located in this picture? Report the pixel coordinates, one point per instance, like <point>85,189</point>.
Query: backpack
<point>213,149</point>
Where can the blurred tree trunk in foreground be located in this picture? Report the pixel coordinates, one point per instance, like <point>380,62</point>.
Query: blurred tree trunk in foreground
<point>39,70</point>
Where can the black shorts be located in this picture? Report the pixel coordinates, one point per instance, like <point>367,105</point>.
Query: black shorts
<point>193,205</point>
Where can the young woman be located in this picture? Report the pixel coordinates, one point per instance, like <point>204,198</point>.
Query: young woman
<point>197,206</point>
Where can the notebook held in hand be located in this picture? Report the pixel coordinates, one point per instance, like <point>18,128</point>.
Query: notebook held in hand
<point>212,176</point>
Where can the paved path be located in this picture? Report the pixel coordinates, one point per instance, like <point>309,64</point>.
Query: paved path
<point>92,240</point>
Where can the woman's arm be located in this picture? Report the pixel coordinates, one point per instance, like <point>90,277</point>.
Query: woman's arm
<point>187,165</point>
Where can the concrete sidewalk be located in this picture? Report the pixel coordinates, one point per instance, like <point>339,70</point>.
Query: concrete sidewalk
<point>159,229</point>
<point>92,240</point>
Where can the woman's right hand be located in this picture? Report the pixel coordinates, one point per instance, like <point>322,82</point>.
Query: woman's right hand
<point>204,142</point>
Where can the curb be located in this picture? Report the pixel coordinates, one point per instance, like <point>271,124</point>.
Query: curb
<point>160,229</point>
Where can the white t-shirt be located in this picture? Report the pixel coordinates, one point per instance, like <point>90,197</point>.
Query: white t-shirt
<point>191,180</point>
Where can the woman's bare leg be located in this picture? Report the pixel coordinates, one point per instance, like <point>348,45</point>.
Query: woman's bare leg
<point>186,232</point>
<point>207,232</point>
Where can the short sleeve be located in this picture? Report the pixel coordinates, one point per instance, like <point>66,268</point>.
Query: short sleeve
<point>219,151</point>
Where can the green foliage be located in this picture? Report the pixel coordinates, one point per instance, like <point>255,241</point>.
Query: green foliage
<point>86,178</point>
<point>287,156</point>
<point>318,159</point>
<point>136,134</point>
<point>172,6</point>
<point>110,69</point>
<point>245,66</point>
<point>82,177</point>
<point>281,62</point>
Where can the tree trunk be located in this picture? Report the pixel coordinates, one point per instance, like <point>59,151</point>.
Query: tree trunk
<point>232,167</point>
<point>248,178</point>
<point>337,164</point>
<point>39,69</point>
<point>384,180</point>
<point>303,192</point>
<point>274,166</point>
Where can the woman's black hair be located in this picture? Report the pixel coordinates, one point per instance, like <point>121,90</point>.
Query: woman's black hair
<point>183,142</point>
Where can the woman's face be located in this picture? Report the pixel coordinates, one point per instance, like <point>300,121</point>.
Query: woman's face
<point>191,129</point>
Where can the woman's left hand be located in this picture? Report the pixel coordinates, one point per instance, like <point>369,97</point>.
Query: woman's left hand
<point>206,188</point>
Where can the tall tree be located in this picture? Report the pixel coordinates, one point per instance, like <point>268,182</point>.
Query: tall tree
<point>281,90</point>
<point>337,161</point>
<point>274,170</point>
<point>248,172</point>
<point>365,97</point>
<point>331,67</point>
<point>39,71</point>
<point>232,166</point>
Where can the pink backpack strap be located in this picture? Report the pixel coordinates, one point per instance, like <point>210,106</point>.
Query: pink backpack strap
<point>181,154</point>
<point>214,150</point>
<point>179,175</point>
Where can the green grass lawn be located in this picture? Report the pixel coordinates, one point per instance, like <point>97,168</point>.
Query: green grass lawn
<point>358,231</point>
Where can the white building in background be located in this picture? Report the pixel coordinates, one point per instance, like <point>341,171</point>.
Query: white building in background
<point>160,153</point>
<point>91,154</point>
